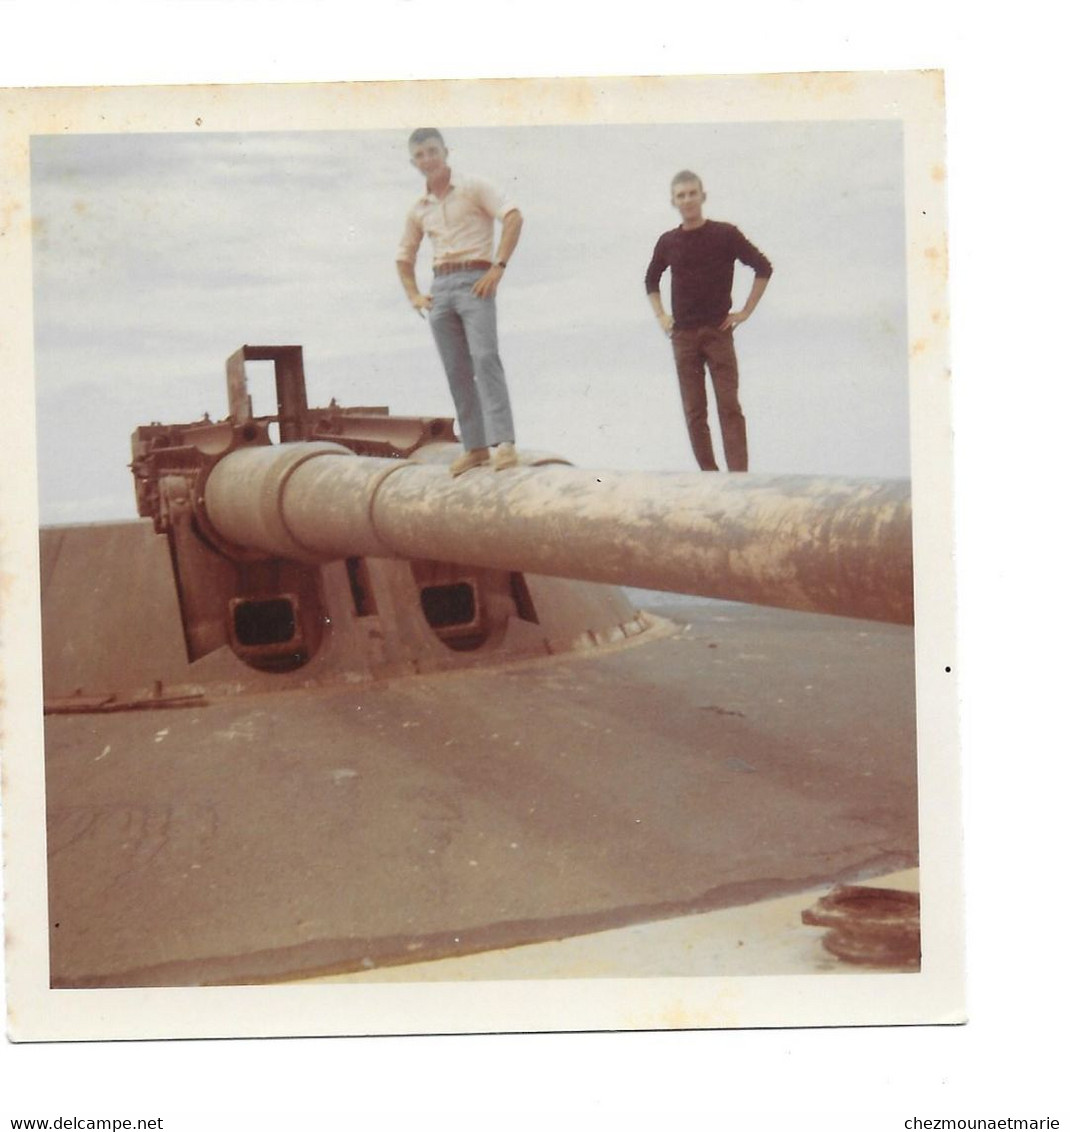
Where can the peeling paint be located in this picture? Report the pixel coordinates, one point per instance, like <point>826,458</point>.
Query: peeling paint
<point>818,544</point>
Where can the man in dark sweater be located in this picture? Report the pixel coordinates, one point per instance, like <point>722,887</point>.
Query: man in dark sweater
<point>702,256</point>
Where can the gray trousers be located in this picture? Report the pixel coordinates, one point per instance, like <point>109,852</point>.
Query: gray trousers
<point>465,329</point>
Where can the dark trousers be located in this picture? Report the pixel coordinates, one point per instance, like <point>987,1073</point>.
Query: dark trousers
<point>694,350</point>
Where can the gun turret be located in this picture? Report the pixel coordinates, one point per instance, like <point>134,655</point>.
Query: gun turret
<point>250,520</point>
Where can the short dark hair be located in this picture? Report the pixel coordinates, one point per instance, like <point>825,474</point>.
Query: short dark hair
<point>686,175</point>
<point>425,133</point>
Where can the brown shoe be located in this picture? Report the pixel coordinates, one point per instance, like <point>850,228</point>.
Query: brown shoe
<point>469,460</point>
<point>504,457</point>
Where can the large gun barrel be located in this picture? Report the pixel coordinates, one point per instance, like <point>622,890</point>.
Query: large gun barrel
<point>829,545</point>
<point>260,510</point>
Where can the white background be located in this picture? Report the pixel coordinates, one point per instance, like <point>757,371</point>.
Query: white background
<point>1008,239</point>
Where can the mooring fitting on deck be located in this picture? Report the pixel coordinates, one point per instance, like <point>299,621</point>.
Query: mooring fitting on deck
<point>878,927</point>
<point>829,545</point>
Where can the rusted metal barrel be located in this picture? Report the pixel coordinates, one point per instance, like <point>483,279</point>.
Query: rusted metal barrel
<point>829,545</point>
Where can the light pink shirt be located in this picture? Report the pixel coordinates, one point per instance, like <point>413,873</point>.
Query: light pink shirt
<point>460,225</point>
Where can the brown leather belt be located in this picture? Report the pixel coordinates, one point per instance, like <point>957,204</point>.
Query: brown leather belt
<point>466,265</point>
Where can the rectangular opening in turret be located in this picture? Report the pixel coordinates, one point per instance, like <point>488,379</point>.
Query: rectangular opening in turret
<point>361,587</point>
<point>448,605</point>
<point>270,622</point>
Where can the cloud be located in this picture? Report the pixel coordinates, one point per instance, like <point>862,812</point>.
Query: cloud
<point>156,255</point>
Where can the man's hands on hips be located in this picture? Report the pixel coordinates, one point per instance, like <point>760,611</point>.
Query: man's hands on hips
<point>732,320</point>
<point>486,286</point>
<point>421,303</point>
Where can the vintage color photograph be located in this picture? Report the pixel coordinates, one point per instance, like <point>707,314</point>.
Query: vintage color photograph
<point>485,549</point>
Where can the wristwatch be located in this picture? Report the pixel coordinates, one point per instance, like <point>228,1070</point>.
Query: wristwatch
<point>502,264</point>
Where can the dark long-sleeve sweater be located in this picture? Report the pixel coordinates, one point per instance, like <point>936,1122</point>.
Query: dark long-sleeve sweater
<point>702,261</point>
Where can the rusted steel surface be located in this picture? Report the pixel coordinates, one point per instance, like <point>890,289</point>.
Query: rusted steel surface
<point>84,705</point>
<point>289,386</point>
<point>840,546</point>
<point>118,622</point>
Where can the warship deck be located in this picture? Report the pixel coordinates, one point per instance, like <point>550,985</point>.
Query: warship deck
<point>740,756</point>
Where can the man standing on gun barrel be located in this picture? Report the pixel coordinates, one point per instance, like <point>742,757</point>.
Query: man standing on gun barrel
<point>702,255</point>
<point>458,215</point>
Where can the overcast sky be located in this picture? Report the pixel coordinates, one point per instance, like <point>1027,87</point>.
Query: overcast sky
<point>157,255</point>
